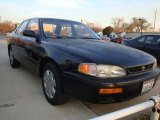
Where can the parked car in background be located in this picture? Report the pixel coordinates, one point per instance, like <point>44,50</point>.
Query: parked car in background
<point>117,40</point>
<point>147,43</point>
<point>105,38</point>
<point>113,39</point>
<point>72,60</point>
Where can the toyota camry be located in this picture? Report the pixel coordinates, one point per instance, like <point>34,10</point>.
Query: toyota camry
<point>72,60</point>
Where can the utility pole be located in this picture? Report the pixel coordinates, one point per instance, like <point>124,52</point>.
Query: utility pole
<point>155,17</point>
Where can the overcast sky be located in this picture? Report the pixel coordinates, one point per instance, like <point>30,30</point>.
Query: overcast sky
<point>98,11</point>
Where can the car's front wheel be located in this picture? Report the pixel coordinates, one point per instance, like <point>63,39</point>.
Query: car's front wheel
<point>51,84</point>
<point>13,62</point>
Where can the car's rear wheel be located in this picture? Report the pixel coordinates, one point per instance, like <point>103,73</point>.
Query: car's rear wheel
<point>52,86</point>
<point>13,62</point>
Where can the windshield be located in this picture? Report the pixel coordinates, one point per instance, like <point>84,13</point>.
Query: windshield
<point>63,29</point>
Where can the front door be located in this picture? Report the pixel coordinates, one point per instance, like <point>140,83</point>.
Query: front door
<point>30,47</point>
<point>17,43</point>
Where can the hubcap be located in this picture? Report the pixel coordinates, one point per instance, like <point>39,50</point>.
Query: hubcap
<point>49,83</point>
<point>11,57</point>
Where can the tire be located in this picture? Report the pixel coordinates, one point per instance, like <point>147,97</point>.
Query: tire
<point>13,62</point>
<point>52,86</point>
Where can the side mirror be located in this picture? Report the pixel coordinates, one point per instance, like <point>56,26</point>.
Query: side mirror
<point>30,33</point>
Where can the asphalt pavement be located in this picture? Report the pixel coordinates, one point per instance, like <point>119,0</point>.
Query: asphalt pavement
<point>21,97</point>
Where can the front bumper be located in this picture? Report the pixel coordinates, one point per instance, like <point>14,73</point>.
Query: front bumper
<point>87,87</point>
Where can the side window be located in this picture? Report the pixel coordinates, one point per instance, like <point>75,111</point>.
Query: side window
<point>22,27</point>
<point>141,39</point>
<point>66,30</point>
<point>49,29</point>
<point>33,25</point>
<point>151,40</point>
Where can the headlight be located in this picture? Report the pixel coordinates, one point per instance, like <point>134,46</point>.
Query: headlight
<point>155,64</point>
<point>103,71</point>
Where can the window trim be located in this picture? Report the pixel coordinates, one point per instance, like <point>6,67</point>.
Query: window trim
<point>41,28</point>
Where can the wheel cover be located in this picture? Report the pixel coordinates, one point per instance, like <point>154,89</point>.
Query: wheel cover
<point>49,83</point>
<point>11,57</point>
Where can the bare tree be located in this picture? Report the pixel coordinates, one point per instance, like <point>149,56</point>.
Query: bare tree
<point>139,23</point>
<point>119,25</point>
<point>117,22</point>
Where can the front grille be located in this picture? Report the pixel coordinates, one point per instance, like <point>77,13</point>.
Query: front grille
<point>138,69</point>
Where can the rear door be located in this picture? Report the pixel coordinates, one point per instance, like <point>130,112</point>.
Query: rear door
<point>153,46</point>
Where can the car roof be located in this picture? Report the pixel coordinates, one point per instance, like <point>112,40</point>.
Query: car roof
<point>55,19</point>
<point>151,35</point>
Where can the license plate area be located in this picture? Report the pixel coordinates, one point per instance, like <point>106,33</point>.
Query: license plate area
<point>147,85</point>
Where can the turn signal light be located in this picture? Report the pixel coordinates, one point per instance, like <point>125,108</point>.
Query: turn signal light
<point>110,90</point>
<point>84,68</point>
<point>88,68</point>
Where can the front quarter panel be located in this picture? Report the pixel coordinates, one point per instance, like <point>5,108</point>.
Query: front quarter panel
<point>66,60</point>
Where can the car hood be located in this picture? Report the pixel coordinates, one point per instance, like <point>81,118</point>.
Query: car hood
<point>102,52</point>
